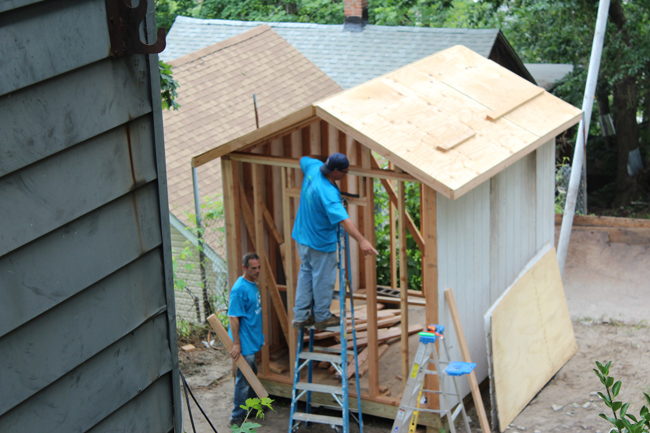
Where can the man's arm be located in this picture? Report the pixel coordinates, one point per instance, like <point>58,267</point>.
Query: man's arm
<point>353,231</point>
<point>234,330</point>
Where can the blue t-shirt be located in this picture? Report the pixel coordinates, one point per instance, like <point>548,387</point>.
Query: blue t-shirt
<point>320,209</point>
<point>245,303</point>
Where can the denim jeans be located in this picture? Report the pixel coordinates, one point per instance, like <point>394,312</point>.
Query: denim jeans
<point>243,390</point>
<point>316,280</point>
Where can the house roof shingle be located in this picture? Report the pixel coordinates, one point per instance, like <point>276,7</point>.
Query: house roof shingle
<point>217,84</point>
<point>349,58</point>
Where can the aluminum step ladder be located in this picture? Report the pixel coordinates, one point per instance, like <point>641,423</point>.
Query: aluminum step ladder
<point>414,393</point>
<point>336,357</point>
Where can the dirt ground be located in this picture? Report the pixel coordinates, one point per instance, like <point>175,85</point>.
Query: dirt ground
<point>606,285</point>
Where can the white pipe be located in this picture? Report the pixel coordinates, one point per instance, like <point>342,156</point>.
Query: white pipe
<point>583,134</point>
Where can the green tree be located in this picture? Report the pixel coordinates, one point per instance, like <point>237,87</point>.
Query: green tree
<point>562,32</point>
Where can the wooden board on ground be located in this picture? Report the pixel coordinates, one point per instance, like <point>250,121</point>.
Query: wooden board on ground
<point>241,362</point>
<point>531,335</point>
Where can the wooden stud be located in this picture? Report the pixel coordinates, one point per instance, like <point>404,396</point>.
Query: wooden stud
<point>392,221</point>
<point>241,362</point>
<point>258,228</point>
<point>289,269</point>
<point>428,220</point>
<point>371,281</point>
<point>342,148</point>
<point>306,140</point>
<point>464,350</point>
<point>324,138</point>
<point>403,279</point>
<point>233,227</point>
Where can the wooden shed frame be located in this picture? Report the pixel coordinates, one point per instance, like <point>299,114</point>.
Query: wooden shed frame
<point>445,122</point>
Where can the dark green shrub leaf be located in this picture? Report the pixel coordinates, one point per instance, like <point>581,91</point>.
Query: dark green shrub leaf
<point>616,388</point>
<point>609,381</point>
<point>616,405</point>
<point>624,409</point>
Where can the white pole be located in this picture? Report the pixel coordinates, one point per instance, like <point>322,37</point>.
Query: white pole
<point>583,134</point>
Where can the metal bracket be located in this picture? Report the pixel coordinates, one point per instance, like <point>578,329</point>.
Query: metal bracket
<point>124,28</point>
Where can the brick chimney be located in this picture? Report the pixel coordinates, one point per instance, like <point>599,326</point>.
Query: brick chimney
<point>356,14</point>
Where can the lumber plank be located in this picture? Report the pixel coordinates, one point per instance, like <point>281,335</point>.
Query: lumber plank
<point>531,335</point>
<point>370,267</point>
<point>464,350</point>
<point>257,236</point>
<point>355,170</point>
<point>241,362</point>
<point>428,218</point>
<point>412,300</point>
<point>289,268</point>
<point>232,223</point>
<point>403,279</point>
<point>365,367</point>
<point>605,221</point>
<point>524,99</point>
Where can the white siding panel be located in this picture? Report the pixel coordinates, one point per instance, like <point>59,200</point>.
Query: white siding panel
<point>463,266</point>
<point>513,216</point>
<point>545,195</point>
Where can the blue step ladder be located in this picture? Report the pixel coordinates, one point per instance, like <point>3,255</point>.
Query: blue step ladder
<point>336,357</point>
<point>414,393</point>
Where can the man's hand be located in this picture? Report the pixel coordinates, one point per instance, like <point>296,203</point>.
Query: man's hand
<point>367,247</point>
<point>235,351</point>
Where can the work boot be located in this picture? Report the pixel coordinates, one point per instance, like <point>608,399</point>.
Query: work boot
<point>304,324</point>
<point>329,323</point>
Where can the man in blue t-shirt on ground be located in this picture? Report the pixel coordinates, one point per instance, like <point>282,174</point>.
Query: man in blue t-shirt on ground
<point>315,230</point>
<point>245,314</point>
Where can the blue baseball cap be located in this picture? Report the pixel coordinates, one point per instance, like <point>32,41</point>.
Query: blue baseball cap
<point>336,161</point>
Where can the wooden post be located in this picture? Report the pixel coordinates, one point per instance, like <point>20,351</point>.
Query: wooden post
<point>232,222</point>
<point>258,216</point>
<point>241,362</point>
<point>464,350</point>
<point>428,218</point>
<point>371,278</point>
<point>289,271</point>
<point>392,221</point>
<point>403,280</point>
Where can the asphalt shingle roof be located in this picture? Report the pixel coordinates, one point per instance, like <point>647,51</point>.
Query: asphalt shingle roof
<point>349,58</point>
<point>217,84</point>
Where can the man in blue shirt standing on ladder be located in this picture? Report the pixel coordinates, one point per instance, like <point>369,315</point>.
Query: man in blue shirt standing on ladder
<point>315,231</point>
<point>245,315</point>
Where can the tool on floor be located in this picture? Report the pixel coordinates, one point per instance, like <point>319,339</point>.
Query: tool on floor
<point>414,392</point>
<point>337,357</point>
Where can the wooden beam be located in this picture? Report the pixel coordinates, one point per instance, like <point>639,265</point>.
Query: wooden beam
<point>289,270</point>
<point>392,221</point>
<point>258,241</point>
<point>428,219</point>
<point>371,280</point>
<point>295,193</point>
<point>354,170</point>
<point>232,223</point>
<point>392,197</point>
<point>270,132</point>
<point>464,350</point>
<point>502,111</point>
<point>403,279</point>
<point>241,362</point>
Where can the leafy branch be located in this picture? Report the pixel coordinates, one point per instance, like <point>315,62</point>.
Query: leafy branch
<point>623,421</point>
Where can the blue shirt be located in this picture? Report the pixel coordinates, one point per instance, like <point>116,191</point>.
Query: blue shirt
<point>246,304</point>
<point>320,210</point>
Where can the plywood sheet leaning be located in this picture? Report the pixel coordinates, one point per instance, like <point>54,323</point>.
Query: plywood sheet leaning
<point>531,335</point>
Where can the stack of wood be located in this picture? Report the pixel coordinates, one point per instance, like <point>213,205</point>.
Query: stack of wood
<point>388,321</point>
